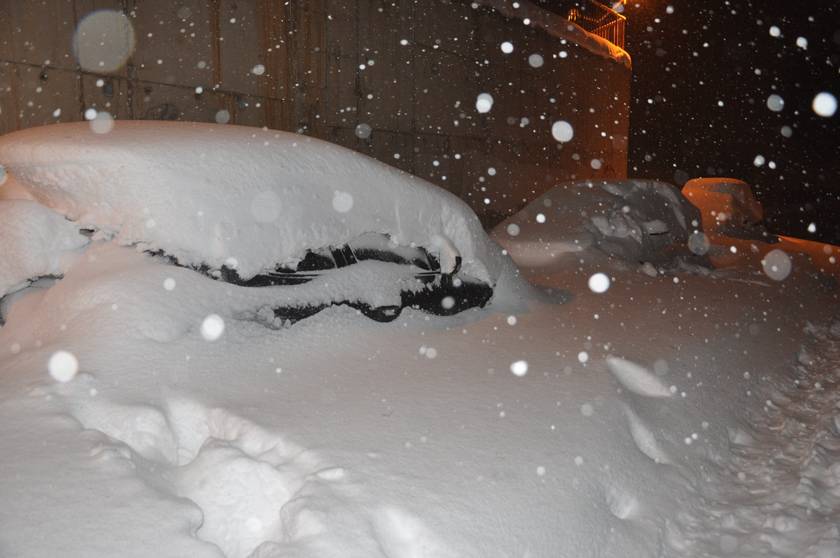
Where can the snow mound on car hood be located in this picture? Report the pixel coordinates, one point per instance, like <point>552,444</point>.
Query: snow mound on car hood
<point>634,220</point>
<point>245,197</point>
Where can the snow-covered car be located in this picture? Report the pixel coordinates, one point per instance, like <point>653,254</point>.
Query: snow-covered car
<point>258,208</point>
<point>734,228</point>
<point>727,207</point>
<point>644,221</point>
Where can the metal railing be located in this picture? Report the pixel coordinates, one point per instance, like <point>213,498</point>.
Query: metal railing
<point>592,16</point>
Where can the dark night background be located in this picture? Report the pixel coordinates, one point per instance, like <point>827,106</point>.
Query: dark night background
<point>706,52</point>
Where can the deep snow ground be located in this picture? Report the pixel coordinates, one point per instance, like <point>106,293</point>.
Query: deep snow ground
<point>779,492</point>
<point>340,436</point>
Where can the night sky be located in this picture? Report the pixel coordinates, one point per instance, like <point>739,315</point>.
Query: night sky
<point>701,80</point>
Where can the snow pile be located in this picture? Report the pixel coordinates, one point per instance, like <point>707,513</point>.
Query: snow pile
<point>633,220</point>
<point>237,196</point>
<point>727,206</point>
<point>35,242</point>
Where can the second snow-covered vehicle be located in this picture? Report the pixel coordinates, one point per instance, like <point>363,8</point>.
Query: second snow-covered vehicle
<point>317,224</point>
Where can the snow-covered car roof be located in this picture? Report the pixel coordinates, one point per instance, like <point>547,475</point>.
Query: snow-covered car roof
<point>218,195</point>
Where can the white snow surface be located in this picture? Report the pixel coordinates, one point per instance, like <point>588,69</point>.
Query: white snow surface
<point>702,422</point>
<point>35,242</point>
<point>216,194</point>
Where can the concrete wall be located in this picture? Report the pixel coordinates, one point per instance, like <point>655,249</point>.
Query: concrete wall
<point>330,66</point>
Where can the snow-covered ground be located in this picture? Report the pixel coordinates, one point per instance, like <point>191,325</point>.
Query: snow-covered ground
<point>652,395</point>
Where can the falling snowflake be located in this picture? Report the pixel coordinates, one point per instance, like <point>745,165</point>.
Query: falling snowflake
<point>363,131</point>
<point>535,60</point>
<point>775,103</point>
<point>222,117</point>
<point>484,102</point>
<point>342,201</point>
<point>519,368</point>
<point>63,366</point>
<point>824,104</point>
<point>102,122</point>
<point>212,327</point>
<point>599,283</point>
<point>777,265</point>
<point>562,131</point>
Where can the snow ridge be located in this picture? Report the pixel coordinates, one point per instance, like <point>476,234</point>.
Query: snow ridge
<point>636,378</point>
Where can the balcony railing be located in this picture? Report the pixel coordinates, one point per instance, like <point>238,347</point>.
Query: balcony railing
<point>592,16</point>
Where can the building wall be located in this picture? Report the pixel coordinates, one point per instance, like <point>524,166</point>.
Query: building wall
<point>410,70</point>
